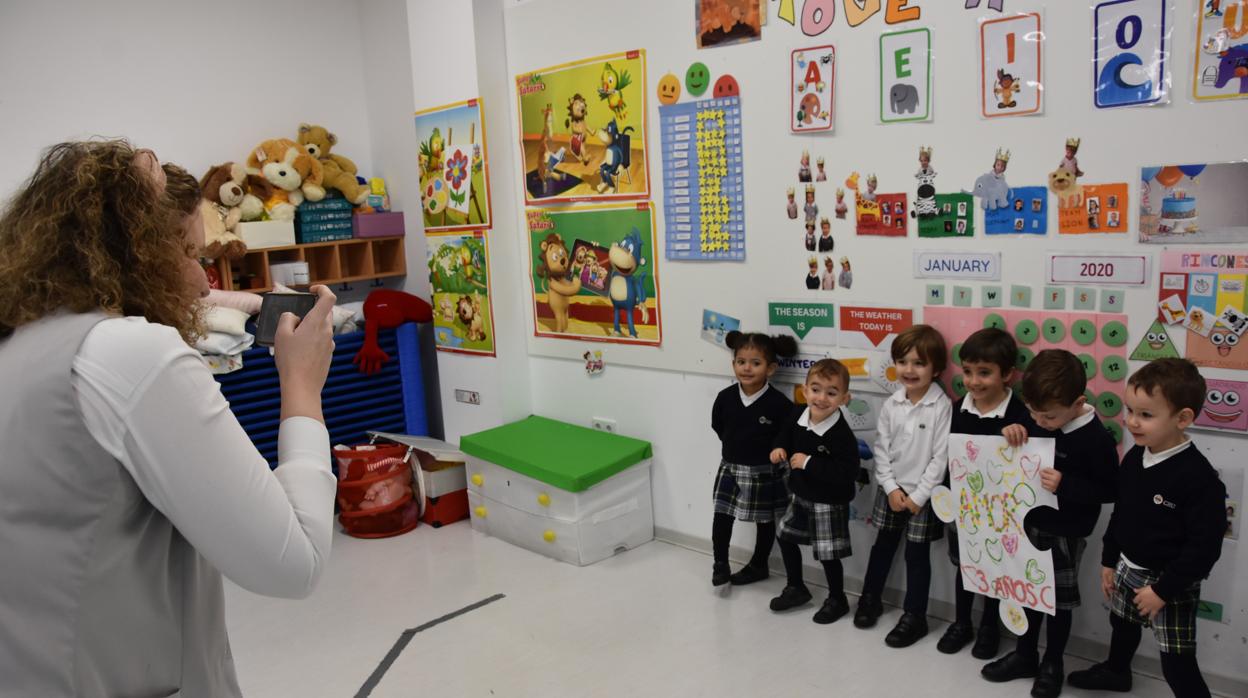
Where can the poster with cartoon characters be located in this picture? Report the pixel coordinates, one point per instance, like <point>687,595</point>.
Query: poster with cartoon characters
<point>454,167</point>
<point>812,74</point>
<point>906,76</point>
<point>595,274</point>
<point>1226,406</point>
<point>583,130</point>
<point>459,279</point>
<point>1220,62</point>
<point>1206,294</point>
<point>1010,62</point>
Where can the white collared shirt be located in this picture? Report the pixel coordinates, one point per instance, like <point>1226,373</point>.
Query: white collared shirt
<point>1149,460</point>
<point>912,442</point>
<point>819,428</point>
<point>747,400</point>
<point>1089,413</point>
<point>968,405</point>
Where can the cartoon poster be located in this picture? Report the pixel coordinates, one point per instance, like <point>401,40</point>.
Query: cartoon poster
<point>906,76</point>
<point>459,278</point>
<point>812,103</point>
<point>1206,293</point>
<point>716,326</point>
<point>583,130</point>
<point>994,486</point>
<point>594,272</point>
<point>454,167</point>
<point>1027,212</point>
<point>703,180</point>
<point>1220,63</point>
<point>1010,62</point>
<point>1093,208</point>
<point>728,22</point>
<point>1225,405</point>
<point>1186,204</point>
<point>1131,53</point>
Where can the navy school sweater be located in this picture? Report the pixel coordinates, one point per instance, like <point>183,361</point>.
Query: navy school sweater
<point>830,473</point>
<point>748,432</point>
<point>1087,458</point>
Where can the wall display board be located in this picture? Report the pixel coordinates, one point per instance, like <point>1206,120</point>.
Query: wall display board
<point>1205,294</point>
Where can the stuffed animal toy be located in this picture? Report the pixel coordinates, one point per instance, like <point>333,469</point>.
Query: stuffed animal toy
<point>386,309</point>
<point>294,174</point>
<point>221,207</point>
<point>256,190</point>
<point>339,171</point>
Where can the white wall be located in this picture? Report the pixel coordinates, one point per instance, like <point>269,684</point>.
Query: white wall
<point>199,84</point>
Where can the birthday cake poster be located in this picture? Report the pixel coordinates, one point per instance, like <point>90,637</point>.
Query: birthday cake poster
<point>1194,204</point>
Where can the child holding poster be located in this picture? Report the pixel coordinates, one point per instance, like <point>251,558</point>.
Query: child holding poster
<point>988,358</point>
<point>1165,533</point>
<point>1083,476</point>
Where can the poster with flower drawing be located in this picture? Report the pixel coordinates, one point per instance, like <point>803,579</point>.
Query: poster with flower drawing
<point>454,172</point>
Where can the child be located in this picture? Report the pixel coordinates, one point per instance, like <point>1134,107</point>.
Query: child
<point>829,274</point>
<point>811,209</point>
<point>812,277</point>
<point>846,278</point>
<point>825,235</point>
<point>841,207</point>
<point>1084,474</point>
<point>987,358</point>
<point>810,235</point>
<point>803,171</point>
<point>910,458</point>
<point>822,453</point>
<point>821,176</point>
<point>746,417</point>
<point>1165,533</point>
<point>791,208</point>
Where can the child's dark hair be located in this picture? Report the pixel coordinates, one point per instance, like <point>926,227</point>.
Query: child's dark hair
<point>926,342</point>
<point>1178,380</point>
<point>829,368</point>
<point>992,346</point>
<point>1055,378</point>
<point>771,346</point>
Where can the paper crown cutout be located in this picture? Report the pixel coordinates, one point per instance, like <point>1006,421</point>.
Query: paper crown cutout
<point>872,180</point>
<point>1003,155</point>
<point>810,189</point>
<point>925,152</point>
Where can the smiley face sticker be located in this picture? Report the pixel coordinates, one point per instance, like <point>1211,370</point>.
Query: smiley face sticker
<point>697,79</point>
<point>726,86</point>
<point>669,89</point>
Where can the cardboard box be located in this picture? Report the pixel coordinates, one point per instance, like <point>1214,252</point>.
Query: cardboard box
<point>378,225</point>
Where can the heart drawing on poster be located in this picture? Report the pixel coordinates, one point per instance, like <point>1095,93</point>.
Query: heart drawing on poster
<point>1009,541</point>
<point>992,546</point>
<point>972,451</point>
<point>976,481</point>
<point>1034,574</point>
<point>973,551</point>
<point>1007,453</point>
<point>957,469</point>
<point>1031,466</point>
<point>1024,494</point>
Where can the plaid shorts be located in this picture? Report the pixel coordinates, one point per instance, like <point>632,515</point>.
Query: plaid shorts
<point>922,527</point>
<point>1174,627</point>
<point>824,527</point>
<point>751,492</point>
<point>1066,555</point>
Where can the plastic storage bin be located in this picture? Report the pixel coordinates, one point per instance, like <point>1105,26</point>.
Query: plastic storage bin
<point>440,475</point>
<point>324,221</point>
<point>564,491</point>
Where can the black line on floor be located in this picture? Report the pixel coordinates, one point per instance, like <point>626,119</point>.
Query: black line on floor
<point>406,637</point>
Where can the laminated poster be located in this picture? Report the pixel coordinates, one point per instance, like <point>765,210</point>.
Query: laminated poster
<point>454,167</point>
<point>906,76</point>
<point>463,314</point>
<point>703,180</point>
<point>1010,65</point>
<point>1194,204</point>
<point>812,104</point>
<point>1206,294</point>
<point>1220,50</point>
<point>1131,52</point>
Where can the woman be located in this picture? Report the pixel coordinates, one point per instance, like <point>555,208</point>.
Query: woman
<point>127,487</point>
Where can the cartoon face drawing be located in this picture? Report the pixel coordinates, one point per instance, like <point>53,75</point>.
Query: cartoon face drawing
<point>726,86</point>
<point>1224,405</point>
<point>669,89</point>
<point>1224,341</point>
<point>697,79</point>
<point>1220,349</point>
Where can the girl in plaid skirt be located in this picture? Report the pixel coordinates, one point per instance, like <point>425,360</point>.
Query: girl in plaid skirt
<point>747,416</point>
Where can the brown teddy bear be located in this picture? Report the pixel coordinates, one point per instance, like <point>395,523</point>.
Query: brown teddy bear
<point>339,171</point>
<point>293,173</point>
<point>222,208</point>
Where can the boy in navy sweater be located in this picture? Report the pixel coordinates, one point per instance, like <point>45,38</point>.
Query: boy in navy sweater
<point>1083,476</point>
<point>1165,533</point>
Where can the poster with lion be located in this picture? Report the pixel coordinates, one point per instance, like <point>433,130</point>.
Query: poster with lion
<point>459,279</point>
<point>454,167</point>
<point>595,275</point>
<point>583,130</point>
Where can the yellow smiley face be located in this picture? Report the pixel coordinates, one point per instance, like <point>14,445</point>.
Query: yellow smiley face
<point>669,89</point>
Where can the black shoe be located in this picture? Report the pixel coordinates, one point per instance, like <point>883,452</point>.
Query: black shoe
<point>1099,677</point>
<point>955,638</point>
<point>1048,683</point>
<point>832,609</point>
<point>720,574</point>
<point>750,574</point>
<point>1011,666</point>
<point>909,630</point>
<point>790,597</point>
<point>988,641</point>
<point>869,610</point>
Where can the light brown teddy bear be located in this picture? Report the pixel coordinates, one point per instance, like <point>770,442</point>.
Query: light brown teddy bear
<point>293,173</point>
<point>222,207</point>
<point>339,171</point>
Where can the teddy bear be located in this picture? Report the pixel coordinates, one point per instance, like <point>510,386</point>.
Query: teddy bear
<point>339,171</point>
<point>222,209</point>
<point>294,174</point>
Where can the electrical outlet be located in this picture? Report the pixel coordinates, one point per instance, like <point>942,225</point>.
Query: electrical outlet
<point>604,424</point>
<point>470,397</point>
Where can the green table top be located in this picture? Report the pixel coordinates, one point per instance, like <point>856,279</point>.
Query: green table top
<point>569,457</point>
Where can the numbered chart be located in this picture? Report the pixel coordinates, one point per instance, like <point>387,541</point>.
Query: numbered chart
<point>1010,65</point>
<point>1130,53</point>
<point>703,180</point>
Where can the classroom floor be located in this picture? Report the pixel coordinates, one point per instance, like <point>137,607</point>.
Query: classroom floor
<point>644,623</point>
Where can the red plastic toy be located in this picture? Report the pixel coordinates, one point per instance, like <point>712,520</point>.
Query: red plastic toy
<point>386,309</point>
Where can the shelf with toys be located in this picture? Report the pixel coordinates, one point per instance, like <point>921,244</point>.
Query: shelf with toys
<point>335,262</point>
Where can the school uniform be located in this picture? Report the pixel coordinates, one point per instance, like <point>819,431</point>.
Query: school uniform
<point>748,486</point>
<point>818,513</point>
<point>911,450</point>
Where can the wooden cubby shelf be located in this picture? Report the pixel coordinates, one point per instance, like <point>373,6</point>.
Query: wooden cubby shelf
<point>329,263</point>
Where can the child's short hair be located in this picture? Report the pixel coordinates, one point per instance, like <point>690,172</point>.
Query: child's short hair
<point>992,346</point>
<point>926,342</point>
<point>770,346</point>
<point>1054,378</point>
<point>828,369</point>
<point>1178,380</point>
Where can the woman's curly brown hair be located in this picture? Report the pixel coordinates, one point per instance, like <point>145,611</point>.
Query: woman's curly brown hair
<point>92,231</point>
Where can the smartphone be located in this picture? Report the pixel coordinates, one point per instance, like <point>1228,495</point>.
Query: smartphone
<point>271,309</point>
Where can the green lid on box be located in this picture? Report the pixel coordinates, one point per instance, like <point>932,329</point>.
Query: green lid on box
<point>562,455</point>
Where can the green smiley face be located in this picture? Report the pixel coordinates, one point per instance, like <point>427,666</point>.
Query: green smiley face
<point>697,79</point>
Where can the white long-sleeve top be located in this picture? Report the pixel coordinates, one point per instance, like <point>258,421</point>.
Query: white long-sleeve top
<point>150,402</point>
<point>912,443</point>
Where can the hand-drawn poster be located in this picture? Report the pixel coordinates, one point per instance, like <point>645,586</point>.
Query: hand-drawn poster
<point>1010,62</point>
<point>594,272</point>
<point>1220,63</point>
<point>454,167</point>
<point>1194,204</point>
<point>459,270</point>
<point>1206,293</point>
<point>583,130</point>
<point>812,103</point>
<point>995,486</point>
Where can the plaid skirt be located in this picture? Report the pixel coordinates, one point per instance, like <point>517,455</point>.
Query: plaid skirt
<point>824,527</point>
<point>922,527</point>
<point>1066,555</point>
<point>1174,627</point>
<point>751,492</point>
